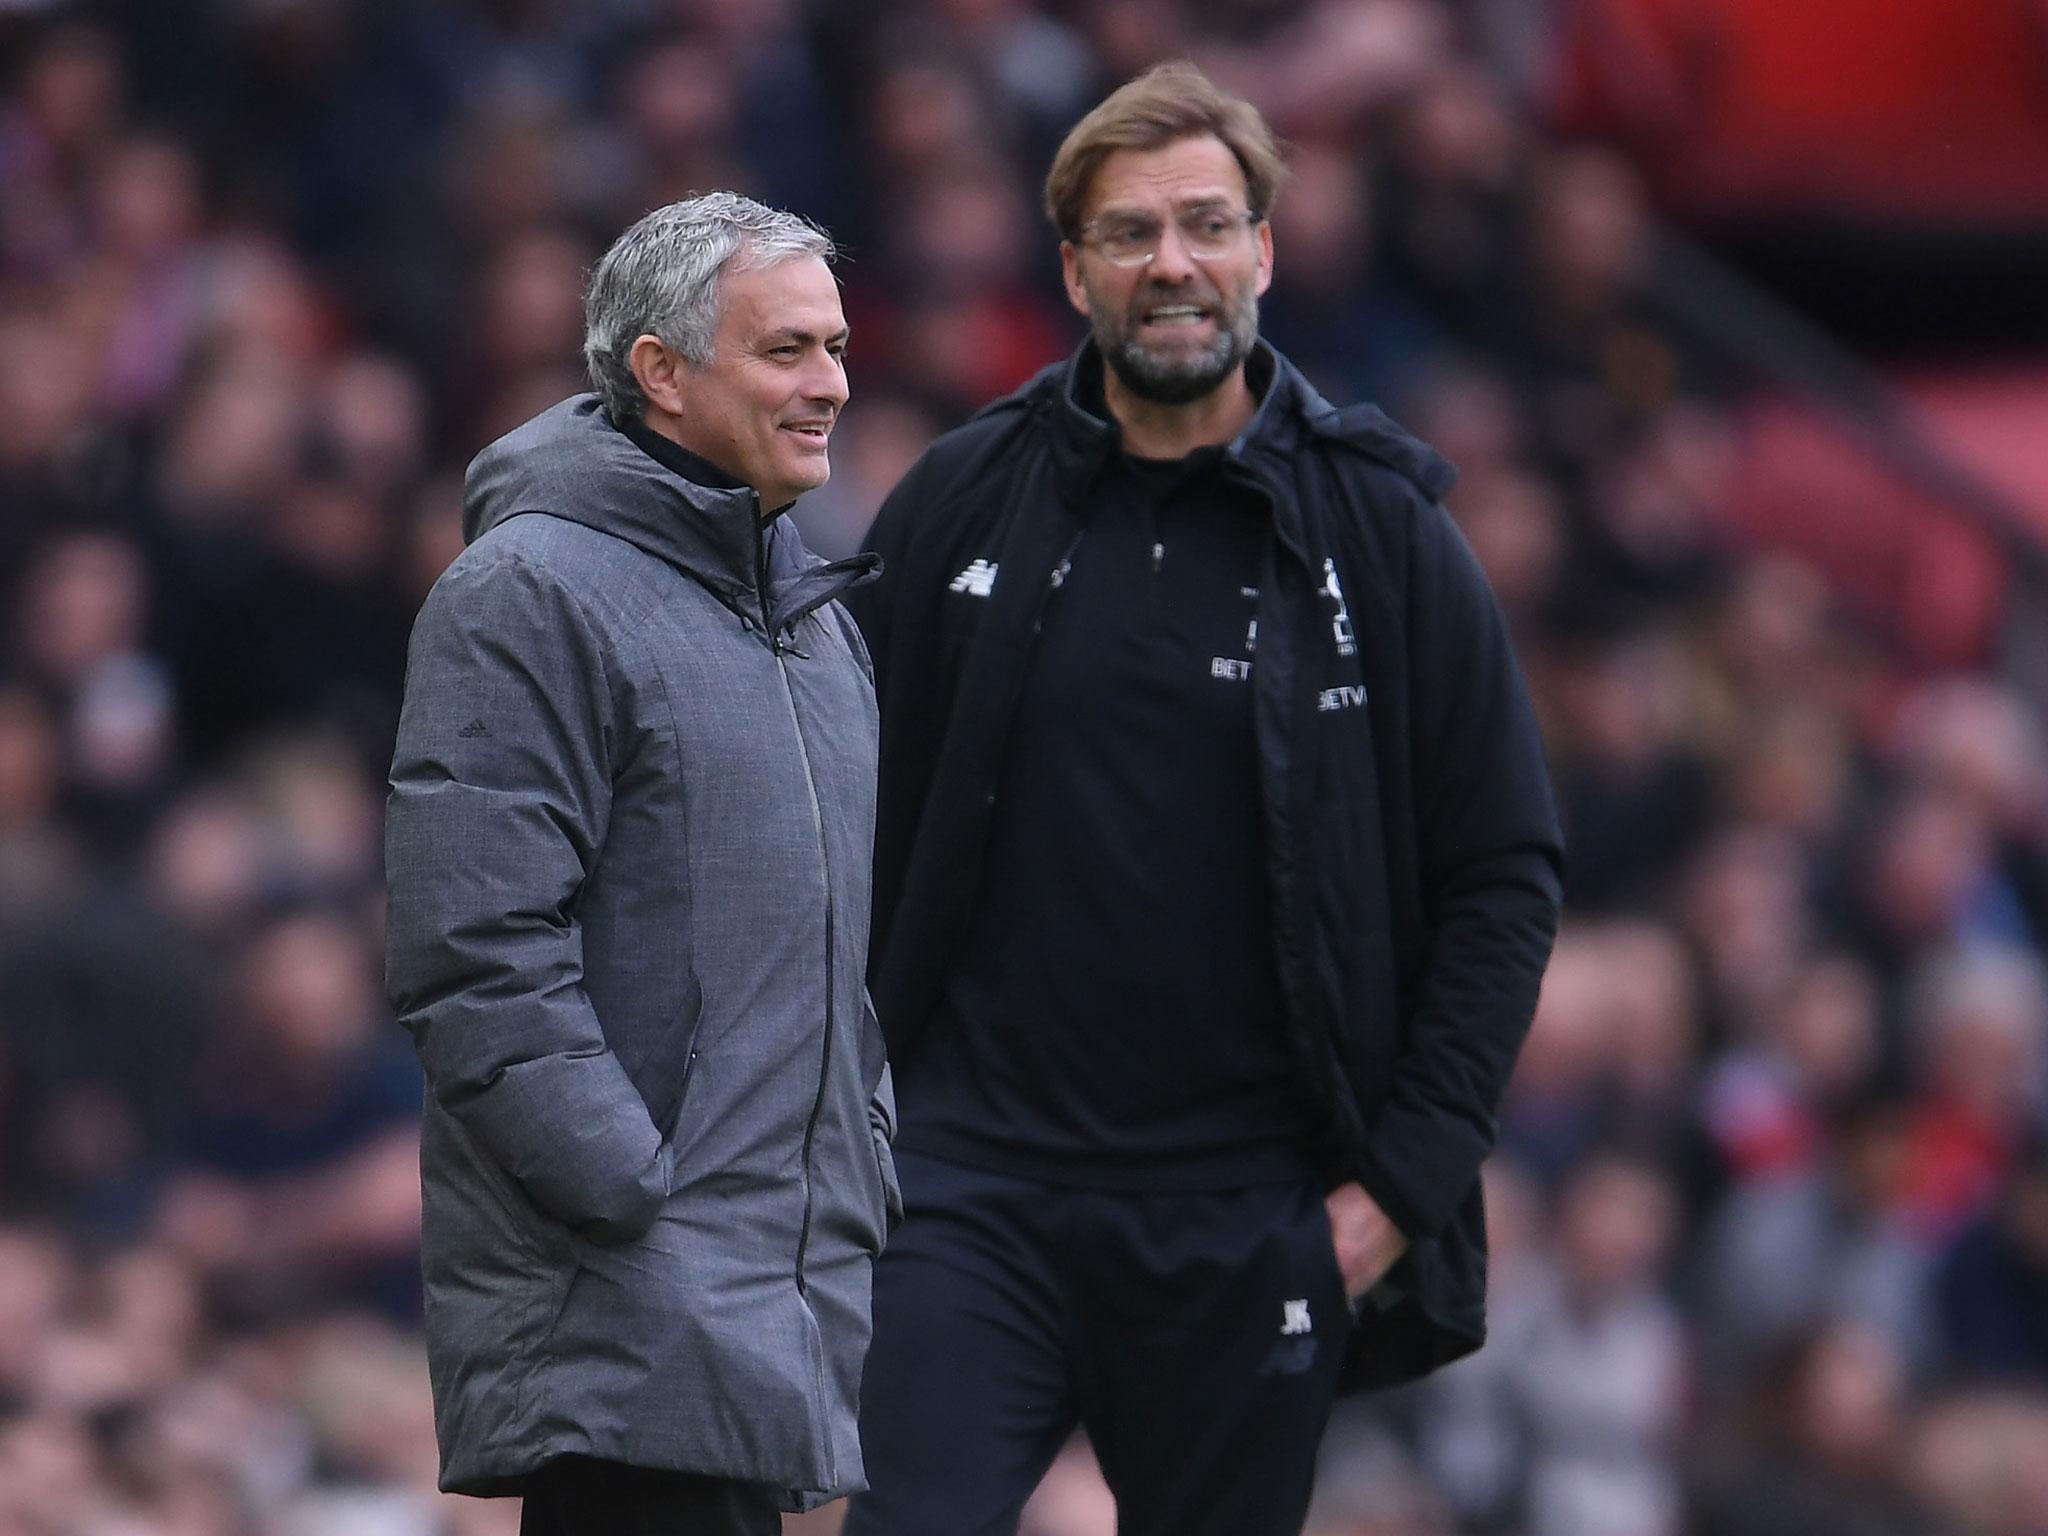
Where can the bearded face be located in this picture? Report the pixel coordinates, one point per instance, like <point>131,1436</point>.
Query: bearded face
<point>1176,343</point>
<point>1174,306</point>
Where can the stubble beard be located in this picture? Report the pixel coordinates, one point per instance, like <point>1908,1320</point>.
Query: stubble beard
<point>1183,378</point>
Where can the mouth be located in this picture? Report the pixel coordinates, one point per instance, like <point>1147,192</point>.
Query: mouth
<point>1177,316</point>
<point>813,432</point>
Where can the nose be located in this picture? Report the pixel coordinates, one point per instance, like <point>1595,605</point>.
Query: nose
<point>1171,262</point>
<point>826,385</point>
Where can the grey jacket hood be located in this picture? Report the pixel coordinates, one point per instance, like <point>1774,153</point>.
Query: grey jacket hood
<point>572,462</point>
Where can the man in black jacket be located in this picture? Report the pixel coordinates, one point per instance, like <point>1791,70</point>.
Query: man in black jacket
<point>1217,867</point>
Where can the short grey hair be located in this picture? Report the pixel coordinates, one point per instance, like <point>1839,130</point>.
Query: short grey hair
<point>660,278</point>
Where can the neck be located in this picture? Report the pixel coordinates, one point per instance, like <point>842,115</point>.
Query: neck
<point>1154,430</point>
<point>661,436</point>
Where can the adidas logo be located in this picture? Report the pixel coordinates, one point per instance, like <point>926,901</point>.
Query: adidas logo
<point>474,729</point>
<point>978,580</point>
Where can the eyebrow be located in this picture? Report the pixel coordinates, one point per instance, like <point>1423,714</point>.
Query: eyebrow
<point>806,338</point>
<point>1192,204</point>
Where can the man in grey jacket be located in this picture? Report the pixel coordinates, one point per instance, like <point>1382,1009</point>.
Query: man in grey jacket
<point>631,817</point>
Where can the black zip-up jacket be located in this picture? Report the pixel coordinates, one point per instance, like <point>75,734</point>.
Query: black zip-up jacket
<point>1413,850</point>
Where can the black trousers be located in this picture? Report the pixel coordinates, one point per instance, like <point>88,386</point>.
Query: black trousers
<point>1198,1339</point>
<point>582,1496</point>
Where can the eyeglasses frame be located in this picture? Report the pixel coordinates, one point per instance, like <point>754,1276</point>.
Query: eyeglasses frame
<point>1243,218</point>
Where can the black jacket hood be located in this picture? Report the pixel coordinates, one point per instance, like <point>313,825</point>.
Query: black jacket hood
<point>1288,406</point>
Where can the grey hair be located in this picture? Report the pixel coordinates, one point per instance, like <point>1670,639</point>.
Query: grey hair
<point>660,278</point>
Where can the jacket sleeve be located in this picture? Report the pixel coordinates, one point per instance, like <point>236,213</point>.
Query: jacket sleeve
<point>500,798</point>
<point>912,718</point>
<point>873,603</point>
<point>1491,876</point>
<point>881,1107</point>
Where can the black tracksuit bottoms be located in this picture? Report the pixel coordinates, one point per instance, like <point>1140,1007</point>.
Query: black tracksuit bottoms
<point>1196,1337</point>
<point>585,1496</point>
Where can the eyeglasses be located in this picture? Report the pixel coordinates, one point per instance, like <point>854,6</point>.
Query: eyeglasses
<point>1207,234</point>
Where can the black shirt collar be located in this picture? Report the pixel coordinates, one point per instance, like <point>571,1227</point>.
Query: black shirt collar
<point>1090,394</point>
<point>673,456</point>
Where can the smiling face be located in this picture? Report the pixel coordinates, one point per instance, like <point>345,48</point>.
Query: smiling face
<point>763,408</point>
<point>1177,328</point>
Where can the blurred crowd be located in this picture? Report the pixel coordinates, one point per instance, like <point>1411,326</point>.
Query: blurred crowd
<point>1771,1202</point>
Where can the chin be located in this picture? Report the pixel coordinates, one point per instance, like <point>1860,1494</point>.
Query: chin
<point>1172,375</point>
<point>1181,382</point>
<point>792,489</point>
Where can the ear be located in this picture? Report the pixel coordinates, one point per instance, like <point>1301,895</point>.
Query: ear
<point>659,373</point>
<point>1070,274</point>
<point>1265,257</point>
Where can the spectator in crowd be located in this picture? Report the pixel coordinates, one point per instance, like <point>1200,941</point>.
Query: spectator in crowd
<point>1581,1388</point>
<point>1979,1017</point>
<point>1791,1251</point>
<point>1608,1049</point>
<point>301,1151</point>
<point>1991,1288</point>
<point>1980,1461</point>
<point>1767,1105</point>
<point>1822,1450</point>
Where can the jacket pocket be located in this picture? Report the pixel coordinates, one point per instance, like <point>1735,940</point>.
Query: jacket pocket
<point>892,1188</point>
<point>662,1083</point>
<point>881,1114</point>
<point>674,1137</point>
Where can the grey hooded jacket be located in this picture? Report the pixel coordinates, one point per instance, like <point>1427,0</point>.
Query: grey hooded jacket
<point>630,825</point>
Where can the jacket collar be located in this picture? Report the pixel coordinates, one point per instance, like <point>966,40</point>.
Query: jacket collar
<point>572,462</point>
<point>1262,457</point>
<point>1086,437</point>
<point>1290,408</point>
<point>671,454</point>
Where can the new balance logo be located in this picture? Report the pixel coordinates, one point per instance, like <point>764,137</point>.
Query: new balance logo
<point>474,729</point>
<point>1294,1317</point>
<point>978,580</point>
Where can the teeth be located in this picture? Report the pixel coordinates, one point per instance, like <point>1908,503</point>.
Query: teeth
<point>1173,314</point>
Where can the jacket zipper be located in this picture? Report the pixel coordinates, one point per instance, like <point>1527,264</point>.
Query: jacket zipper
<point>803,749</point>
<point>782,653</point>
<point>1316,1049</point>
<point>803,1241</point>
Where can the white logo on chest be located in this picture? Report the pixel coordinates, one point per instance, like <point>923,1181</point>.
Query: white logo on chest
<point>978,580</point>
<point>1340,622</point>
<point>1350,696</point>
<point>1294,1317</point>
